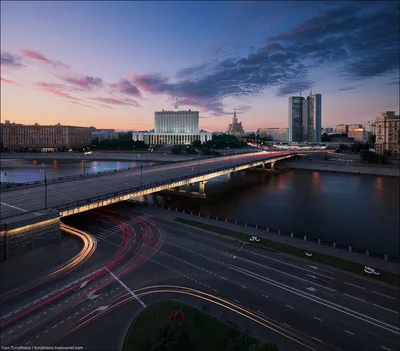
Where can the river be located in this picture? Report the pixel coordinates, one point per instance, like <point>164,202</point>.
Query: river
<point>358,210</point>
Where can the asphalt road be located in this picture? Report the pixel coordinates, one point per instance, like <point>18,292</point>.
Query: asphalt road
<point>21,200</point>
<point>276,298</point>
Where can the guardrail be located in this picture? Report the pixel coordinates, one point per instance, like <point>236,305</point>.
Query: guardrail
<point>337,245</point>
<point>88,201</point>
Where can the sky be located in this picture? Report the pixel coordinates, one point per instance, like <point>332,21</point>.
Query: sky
<point>112,64</point>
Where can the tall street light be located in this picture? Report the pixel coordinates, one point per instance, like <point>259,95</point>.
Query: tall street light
<point>45,189</point>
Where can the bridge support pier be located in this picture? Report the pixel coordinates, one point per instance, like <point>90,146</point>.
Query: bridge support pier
<point>202,187</point>
<point>272,166</point>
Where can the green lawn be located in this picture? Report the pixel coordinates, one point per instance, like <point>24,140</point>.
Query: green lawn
<point>349,266</point>
<point>152,330</point>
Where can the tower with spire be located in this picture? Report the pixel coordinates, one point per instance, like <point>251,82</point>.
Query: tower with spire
<point>235,128</point>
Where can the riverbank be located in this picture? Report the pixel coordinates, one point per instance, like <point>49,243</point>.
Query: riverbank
<point>282,240</point>
<point>115,156</point>
<point>345,167</point>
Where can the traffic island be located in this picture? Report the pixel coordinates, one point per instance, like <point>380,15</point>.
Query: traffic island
<point>353,267</point>
<point>171,325</point>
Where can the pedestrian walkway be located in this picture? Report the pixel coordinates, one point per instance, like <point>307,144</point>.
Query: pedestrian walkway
<point>378,263</point>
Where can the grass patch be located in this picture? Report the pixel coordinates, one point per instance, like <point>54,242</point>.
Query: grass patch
<point>153,330</point>
<point>387,277</point>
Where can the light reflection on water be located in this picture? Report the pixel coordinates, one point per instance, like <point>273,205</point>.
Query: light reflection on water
<point>21,171</point>
<point>358,210</point>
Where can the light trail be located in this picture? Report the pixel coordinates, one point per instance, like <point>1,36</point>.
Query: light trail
<point>89,247</point>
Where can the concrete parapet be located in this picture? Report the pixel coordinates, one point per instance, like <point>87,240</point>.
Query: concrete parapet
<point>19,234</point>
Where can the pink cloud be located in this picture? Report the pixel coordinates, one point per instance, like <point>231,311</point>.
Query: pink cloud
<point>55,89</point>
<point>8,81</point>
<point>78,103</point>
<point>113,101</point>
<point>86,82</point>
<point>106,106</point>
<point>37,56</point>
<point>124,86</point>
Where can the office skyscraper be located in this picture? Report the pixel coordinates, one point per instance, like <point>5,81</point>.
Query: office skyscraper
<point>305,118</point>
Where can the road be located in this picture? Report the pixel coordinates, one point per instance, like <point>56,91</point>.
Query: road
<point>284,300</point>
<point>20,200</point>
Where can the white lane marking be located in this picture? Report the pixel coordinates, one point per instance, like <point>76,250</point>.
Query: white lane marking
<point>129,290</point>
<point>45,331</point>
<point>356,286</point>
<point>387,309</point>
<point>311,289</point>
<point>317,339</point>
<point>244,287</point>
<point>11,331</point>
<point>389,297</point>
<point>349,332</point>
<point>318,319</point>
<point>332,305</point>
<point>385,348</point>
<point>29,322</point>
<point>14,207</point>
<point>281,272</point>
<point>265,296</point>
<point>289,306</point>
<point>320,269</point>
<point>53,326</point>
<point>286,325</point>
<point>37,336</point>
<point>353,297</point>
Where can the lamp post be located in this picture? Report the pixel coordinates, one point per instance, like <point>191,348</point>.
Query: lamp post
<point>45,190</point>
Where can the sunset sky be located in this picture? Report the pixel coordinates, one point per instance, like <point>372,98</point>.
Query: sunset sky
<point>112,64</point>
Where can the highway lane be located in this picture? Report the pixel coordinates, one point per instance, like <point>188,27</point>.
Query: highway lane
<point>195,259</point>
<point>29,199</point>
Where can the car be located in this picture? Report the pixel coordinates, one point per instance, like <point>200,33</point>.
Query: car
<point>370,270</point>
<point>254,238</point>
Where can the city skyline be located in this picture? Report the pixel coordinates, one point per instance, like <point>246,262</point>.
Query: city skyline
<point>111,65</point>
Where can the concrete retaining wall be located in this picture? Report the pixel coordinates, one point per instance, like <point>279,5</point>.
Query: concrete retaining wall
<point>334,166</point>
<point>28,232</point>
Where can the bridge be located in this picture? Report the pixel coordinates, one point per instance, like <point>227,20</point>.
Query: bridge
<point>83,194</point>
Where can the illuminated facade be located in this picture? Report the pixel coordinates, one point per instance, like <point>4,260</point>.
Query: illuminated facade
<point>235,128</point>
<point>174,128</point>
<point>17,136</point>
<point>388,133</point>
<point>277,134</point>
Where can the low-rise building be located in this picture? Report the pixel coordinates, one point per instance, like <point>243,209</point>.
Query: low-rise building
<point>342,129</point>
<point>388,133</point>
<point>104,134</point>
<point>19,136</point>
<point>358,134</point>
<point>277,134</point>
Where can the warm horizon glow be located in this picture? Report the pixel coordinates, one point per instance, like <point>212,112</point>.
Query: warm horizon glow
<point>113,64</point>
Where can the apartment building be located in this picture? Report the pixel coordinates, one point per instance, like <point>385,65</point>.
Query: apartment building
<point>388,133</point>
<point>18,136</point>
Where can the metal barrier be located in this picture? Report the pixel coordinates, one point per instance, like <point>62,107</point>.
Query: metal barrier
<point>340,246</point>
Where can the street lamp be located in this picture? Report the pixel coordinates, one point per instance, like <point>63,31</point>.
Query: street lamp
<point>45,189</point>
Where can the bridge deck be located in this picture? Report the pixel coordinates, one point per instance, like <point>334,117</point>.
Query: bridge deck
<point>20,200</point>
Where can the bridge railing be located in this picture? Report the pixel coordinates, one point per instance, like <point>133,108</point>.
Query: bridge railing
<point>279,232</point>
<point>107,196</point>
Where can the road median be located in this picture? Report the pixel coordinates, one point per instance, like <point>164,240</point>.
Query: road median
<point>349,266</point>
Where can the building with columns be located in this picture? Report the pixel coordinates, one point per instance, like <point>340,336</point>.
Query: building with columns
<point>174,128</point>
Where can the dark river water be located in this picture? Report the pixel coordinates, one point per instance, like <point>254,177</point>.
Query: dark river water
<point>358,210</point>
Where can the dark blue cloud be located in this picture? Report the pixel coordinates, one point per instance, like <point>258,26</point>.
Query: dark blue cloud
<point>360,39</point>
<point>10,60</point>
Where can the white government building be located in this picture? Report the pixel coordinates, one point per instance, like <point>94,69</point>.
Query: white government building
<point>174,127</point>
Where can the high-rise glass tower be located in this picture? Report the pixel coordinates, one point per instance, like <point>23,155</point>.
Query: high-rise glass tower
<point>305,118</point>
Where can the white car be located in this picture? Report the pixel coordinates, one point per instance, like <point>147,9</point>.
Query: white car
<point>370,270</point>
<point>254,238</point>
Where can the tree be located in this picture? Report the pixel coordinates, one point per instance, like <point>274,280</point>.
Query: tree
<point>196,143</point>
<point>238,343</point>
<point>372,140</point>
<point>176,149</point>
<point>263,346</point>
<point>171,338</point>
